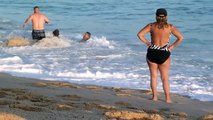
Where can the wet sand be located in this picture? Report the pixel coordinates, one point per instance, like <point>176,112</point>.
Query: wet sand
<point>32,99</point>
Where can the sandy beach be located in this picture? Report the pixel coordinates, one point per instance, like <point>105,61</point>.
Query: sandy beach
<point>32,99</point>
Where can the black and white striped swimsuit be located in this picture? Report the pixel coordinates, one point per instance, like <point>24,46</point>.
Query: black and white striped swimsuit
<point>165,47</point>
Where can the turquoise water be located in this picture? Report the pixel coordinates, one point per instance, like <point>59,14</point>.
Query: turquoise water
<point>114,56</point>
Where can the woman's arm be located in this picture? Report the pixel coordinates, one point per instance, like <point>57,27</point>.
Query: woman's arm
<point>179,37</point>
<point>142,32</point>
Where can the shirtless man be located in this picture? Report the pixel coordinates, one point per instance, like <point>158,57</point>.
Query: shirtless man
<point>38,21</point>
<point>158,53</point>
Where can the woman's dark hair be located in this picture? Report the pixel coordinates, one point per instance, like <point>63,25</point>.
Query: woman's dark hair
<point>162,22</point>
<point>161,18</point>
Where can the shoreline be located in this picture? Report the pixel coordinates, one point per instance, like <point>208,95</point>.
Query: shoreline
<point>41,99</point>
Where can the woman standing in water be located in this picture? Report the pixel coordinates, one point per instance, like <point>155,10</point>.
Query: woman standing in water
<point>158,53</point>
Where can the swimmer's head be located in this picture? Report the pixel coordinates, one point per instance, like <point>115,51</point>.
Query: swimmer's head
<point>86,36</point>
<point>56,33</point>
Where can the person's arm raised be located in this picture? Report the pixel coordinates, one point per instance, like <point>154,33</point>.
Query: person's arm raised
<point>27,20</point>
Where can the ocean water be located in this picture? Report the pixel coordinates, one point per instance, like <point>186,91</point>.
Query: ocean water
<point>114,56</point>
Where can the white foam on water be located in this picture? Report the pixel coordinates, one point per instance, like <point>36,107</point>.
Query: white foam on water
<point>110,57</point>
<point>19,68</point>
<point>97,75</point>
<point>52,42</point>
<point>197,87</point>
<point>10,60</point>
<point>96,42</point>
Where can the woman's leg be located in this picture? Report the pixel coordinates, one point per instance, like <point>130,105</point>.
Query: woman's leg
<point>164,71</point>
<point>153,68</point>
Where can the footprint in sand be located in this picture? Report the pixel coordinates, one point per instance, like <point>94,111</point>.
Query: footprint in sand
<point>63,107</point>
<point>89,106</point>
<point>8,102</point>
<point>33,97</point>
<point>95,89</point>
<point>43,104</point>
<point>123,95</point>
<point>27,108</point>
<point>121,92</point>
<point>146,92</point>
<point>21,97</point>
<point>55,85</point>
<point>126,105</point>
<point>4,92</point>
<point>70,97</point>
<point>151,111</point>
<point>165,109</point>
<point>123,104</point>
